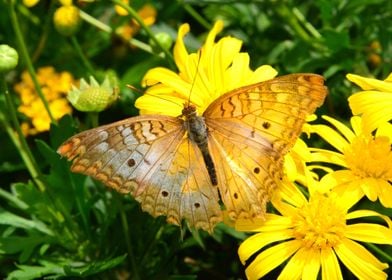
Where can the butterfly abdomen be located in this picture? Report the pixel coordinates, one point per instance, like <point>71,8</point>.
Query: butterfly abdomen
<point>198,133</point>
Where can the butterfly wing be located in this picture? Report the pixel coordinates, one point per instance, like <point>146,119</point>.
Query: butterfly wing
<point>251,129</point>
<point>150,158</point>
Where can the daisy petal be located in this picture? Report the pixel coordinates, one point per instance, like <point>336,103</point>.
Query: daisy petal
<point>372,233</point>
<point>368,213</point>
<point>271,258</point>
<point>359,261</point>
<point>271,223</point>
<point>258,241</point>
<point>369,83</point>
<point>330,269</point>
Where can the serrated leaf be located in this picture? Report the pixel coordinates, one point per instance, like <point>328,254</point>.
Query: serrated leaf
<point>26,272</point>
<point>94,267</point>
<point>22,245</point>
<point>8,218</point>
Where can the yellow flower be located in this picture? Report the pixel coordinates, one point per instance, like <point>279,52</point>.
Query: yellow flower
<point>54,86</point>
<point>30,3</point>
<point>313,234</point>
<point>120,10</point>
<point>147,13</point>
<point>203,76</point>
<point>67,20</point>
<point>367,159</point>
<point>374,103</point>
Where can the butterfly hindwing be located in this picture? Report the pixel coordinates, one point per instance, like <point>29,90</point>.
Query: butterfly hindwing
<point>149,157</point>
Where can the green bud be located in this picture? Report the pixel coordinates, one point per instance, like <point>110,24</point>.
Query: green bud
<point>164,39</point>
<point>93,97</point>
<point>8,58</point>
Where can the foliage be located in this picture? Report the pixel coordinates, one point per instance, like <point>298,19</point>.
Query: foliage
<point>54,223</point>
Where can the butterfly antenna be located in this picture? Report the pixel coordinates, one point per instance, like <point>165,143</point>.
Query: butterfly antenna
<point>196,74</point>
<point>155,96</point>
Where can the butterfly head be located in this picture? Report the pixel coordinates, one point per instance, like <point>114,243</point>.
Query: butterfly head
<point>189,110</point>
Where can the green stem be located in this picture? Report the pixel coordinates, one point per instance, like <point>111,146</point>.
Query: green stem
<point>26,58</point>
<point>125,226</point>
<point>379,252</point>
<point>313,31</point>
<point>93,119</point>
<point>18,138</point>
<point>44,36</point>
<point>94,22</point>
<point>82,56</point>
<point>106,28</point>
<point>286,14</point>
<point>158,232</point>
<point>136,16</point>
<point>197,16</point>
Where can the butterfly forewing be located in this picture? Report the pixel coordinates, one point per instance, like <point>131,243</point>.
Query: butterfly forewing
<point>253,127</point>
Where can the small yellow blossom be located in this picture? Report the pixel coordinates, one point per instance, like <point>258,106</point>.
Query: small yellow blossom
<point>312,235</point>
<point>30,3</point>
<point>120,10</point>
<point>366,159</point>
<point>204,76</point>
<point>374,103</point>
<point>54,87</point>
<point>147,13</point>
<point>67,20</point>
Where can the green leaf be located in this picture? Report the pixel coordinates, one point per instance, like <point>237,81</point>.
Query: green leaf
<point>336,40</point>
<point>94,267</point>
<point>8,218</point>
<point>26,272</point>
<point>65,128</point>
<point>23,245</point>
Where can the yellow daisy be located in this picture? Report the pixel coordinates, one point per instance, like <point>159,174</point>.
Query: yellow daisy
<point>217,68</point>
<point>313,234</point>
<point>366,159</point>
<point>374,103</point>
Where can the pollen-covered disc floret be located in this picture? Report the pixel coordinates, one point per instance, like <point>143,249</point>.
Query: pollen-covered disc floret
<point>370,157</point>
<point>320,223</point>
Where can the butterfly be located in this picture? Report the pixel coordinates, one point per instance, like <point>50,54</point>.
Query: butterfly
<point>228,161</point>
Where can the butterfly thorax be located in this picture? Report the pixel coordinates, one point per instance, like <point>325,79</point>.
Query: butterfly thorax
<point>198,134</point>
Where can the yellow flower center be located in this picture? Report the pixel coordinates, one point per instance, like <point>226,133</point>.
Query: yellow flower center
<point>370,157</point>
<point>320,223</point>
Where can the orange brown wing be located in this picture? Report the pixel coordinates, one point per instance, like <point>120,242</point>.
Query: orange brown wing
<point>250,131</point>
<point>150,158</point>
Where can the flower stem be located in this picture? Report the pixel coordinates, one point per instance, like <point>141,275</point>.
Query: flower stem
<point>93,119</point>
<point>17,136</point>
<point>296,21</point>
<point>125,226</point>
<point>93,21</point>
<point>82,56</point>
<point>197,16</point>
<point>106,28</point>
<point>380,252</point>
<point>136,16</point>
<point>26,58</point>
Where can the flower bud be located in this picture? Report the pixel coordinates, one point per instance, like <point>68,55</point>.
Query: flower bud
<point>93,97</point>
<point>67,20</point>
<point>8,58</point>
<point>164,39</point>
